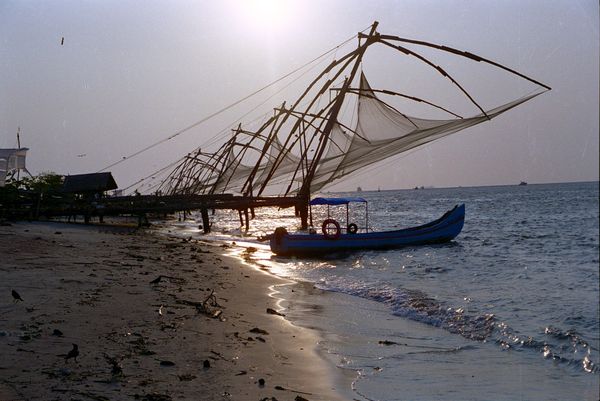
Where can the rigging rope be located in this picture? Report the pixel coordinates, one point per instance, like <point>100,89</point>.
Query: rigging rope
<point>189,127</point>
<point>223,133</point>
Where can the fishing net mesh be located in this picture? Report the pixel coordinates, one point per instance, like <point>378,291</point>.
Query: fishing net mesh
<point>379,131</point>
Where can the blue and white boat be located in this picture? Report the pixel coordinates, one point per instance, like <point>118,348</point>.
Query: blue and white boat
<point>335,238</point>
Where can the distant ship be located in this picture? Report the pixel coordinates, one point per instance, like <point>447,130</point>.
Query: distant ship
<point>522,183</point>
<point>358,189</point>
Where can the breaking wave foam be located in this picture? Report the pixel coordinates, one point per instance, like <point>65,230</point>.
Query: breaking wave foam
<point>554,344</point>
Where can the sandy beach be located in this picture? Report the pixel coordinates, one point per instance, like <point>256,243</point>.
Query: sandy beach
<point>153,318</point>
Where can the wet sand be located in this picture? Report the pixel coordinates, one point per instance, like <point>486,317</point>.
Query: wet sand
<point>140,310</point>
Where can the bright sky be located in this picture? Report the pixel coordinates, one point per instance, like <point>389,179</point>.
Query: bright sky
<point>131,73</point>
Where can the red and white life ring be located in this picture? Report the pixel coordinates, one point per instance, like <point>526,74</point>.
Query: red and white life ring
<point>327,229</point>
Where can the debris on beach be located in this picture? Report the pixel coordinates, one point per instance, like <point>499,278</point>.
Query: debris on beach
<point>169,278</point>
<point>16,296</point>
<point>124,303</point>
<point>140,347</point>
<point>116,367</point>
<point>272,311</point>
<point>247,253</point>
<point>206,307</point>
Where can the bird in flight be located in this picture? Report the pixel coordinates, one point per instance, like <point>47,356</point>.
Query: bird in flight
<point>16,296</point>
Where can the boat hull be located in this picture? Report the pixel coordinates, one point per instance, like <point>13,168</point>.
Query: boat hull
<point>441,230</point>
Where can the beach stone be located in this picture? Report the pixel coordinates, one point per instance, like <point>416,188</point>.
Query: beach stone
<point>256,330</point>
<point>167,363</point>
<point>272,311</point>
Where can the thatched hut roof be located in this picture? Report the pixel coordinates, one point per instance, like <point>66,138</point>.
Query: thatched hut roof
<point>86,183</point>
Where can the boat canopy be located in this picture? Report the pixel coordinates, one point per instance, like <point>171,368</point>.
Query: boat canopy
<point>335,201</point>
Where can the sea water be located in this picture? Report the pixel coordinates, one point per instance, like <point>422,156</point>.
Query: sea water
<point>509,310</point>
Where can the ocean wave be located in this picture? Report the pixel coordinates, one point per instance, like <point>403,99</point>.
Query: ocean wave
<point>418,306</point>
<point>561,346</point>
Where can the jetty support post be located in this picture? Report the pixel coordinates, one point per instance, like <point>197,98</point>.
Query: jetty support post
<point>205,220</point>
<point>302,209</point>
<point>304,218</point>
<point>143,220</point>
<point>247,219</point>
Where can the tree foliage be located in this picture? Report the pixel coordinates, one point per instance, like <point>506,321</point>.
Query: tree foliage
<point>44,182</point>
<point>19,197</point>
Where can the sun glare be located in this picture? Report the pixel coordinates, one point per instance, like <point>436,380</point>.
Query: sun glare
<point>266,10</point>
<point>264,15</point>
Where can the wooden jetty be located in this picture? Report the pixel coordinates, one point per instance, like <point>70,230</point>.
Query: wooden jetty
<point>143,205</point>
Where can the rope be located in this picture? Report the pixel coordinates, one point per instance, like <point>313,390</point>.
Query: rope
<point>189,127</point>
<point>223,133</point>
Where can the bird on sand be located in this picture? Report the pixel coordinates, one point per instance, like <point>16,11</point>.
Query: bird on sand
<point>74,353</point>
<point>16,296</point>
